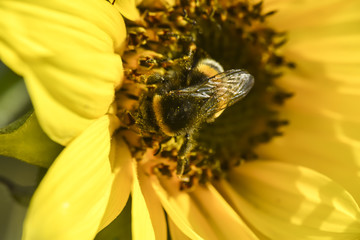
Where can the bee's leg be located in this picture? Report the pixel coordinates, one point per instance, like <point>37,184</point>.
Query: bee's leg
<point>160,143</point>
<point>183,160</point>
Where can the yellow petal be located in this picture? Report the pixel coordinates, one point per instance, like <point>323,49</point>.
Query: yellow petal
<point>175,232</point>
<point>285,201</point>
<point>328,145</point>
<point>195,212</point>
<point>324,132</point>
<point>330,41</point>
<point>148,218</point>
<point>293,14</point>
<point>66,52</point>
<point>127,8</point>
<point>141,226</point>
<point>77,190</point>
<point>327,37</point>
<point>121,165</point>
<point>223,218</point>
<point>178,209</point>
<point>325,31</point>
<point>340,49</point>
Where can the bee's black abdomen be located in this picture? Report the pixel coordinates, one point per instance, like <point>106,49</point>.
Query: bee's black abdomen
<point>176,114</point>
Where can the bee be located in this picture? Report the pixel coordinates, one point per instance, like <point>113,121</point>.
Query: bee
<point>180,101</point>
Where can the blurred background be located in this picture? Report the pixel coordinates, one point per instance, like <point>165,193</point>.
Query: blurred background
<point>17,179</point>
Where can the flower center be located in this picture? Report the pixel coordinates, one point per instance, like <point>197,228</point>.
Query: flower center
<point>163,50</point>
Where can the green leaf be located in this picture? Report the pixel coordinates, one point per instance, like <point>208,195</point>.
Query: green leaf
<point>25,140</point>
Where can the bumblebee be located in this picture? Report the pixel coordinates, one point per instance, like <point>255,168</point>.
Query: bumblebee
<point>179,102</point>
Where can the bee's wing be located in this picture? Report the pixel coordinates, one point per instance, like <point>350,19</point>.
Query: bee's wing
<point>227,87</point>
<point>219,91</point>
<point>232,86</point>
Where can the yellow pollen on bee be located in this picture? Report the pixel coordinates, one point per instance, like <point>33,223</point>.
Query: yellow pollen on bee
<point>158,116</point>
<point>207,70</point>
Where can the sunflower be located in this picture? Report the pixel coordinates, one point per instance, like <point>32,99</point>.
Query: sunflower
<point>295,188</point>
